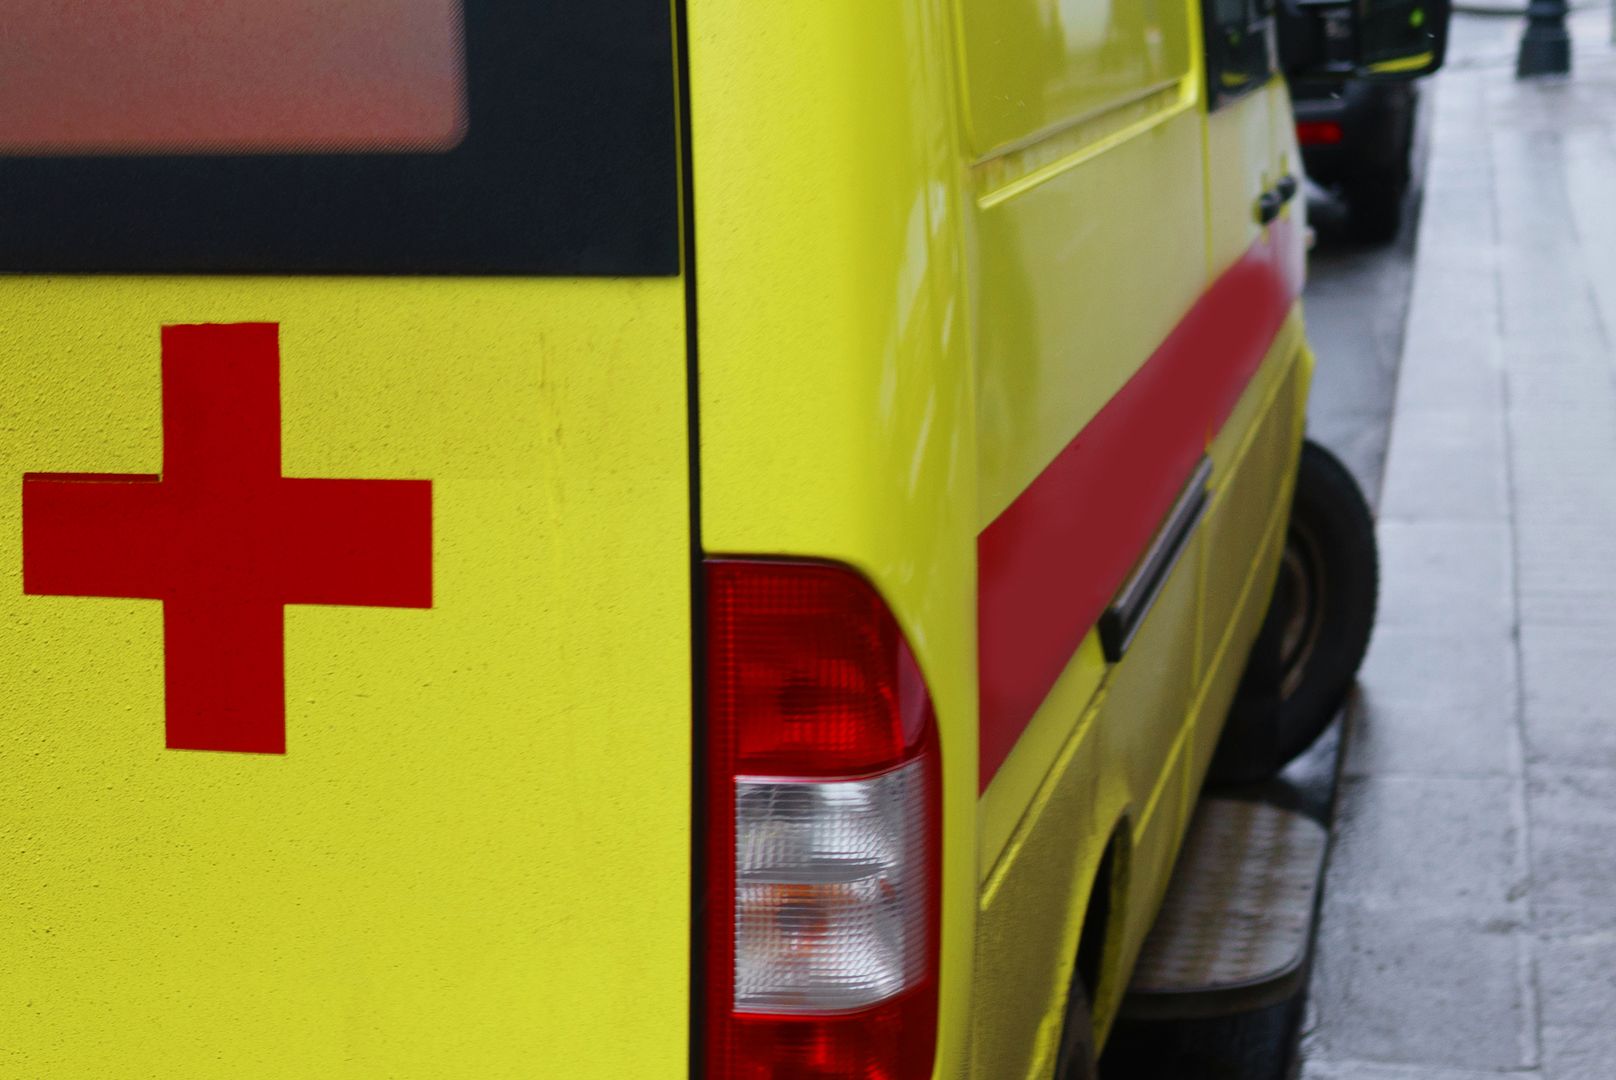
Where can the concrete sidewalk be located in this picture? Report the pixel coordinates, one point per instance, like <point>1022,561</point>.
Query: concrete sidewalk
<point>1470,919</point>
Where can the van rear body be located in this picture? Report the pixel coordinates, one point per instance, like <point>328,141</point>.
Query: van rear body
<point>422,512</point>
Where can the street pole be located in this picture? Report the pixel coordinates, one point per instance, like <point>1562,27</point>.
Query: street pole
<point>1546,45</point>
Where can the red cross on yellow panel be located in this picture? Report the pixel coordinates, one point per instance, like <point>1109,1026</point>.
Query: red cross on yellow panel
<point>224,540</point>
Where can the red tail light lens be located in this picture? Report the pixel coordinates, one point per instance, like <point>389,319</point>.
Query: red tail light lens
<point>823,816</point>
<point>1318,132</point>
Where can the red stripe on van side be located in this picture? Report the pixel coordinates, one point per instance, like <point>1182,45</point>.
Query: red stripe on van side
<point>1051,562</point>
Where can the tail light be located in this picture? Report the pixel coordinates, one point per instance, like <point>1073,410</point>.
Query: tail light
<point>821,899</point>
<point>1318,132</point>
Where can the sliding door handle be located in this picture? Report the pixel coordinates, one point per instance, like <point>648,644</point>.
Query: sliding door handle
<point>1272,201</point>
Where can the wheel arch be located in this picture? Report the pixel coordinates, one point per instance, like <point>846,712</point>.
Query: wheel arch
<point>1098,973</point>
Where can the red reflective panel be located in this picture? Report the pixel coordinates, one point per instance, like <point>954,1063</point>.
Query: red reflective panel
<point>888,1042</point>
<point>809,673</point>
<point>186,76</point>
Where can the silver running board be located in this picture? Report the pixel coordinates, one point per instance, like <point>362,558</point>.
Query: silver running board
<point>1235,926</point>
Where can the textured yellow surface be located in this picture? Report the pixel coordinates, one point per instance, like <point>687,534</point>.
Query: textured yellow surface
<point>1117,774</point>
<point>473,859</point>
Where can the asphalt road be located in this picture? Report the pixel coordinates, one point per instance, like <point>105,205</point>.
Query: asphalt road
<point>1357,304</point>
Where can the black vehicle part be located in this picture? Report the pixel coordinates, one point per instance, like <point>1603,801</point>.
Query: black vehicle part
<point>1078,1053</point>
<point>1374,208</point>
<point>1317,628</point>
<point>1369,166</point>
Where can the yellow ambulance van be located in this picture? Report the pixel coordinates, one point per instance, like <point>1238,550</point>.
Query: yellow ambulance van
<point>714,538</point>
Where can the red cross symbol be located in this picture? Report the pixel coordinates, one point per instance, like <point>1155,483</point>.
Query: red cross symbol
<point>224,540</point>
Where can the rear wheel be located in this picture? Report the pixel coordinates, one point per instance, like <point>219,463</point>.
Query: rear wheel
<point>1376,195</point>
<point>1077,1060</point>
<point>1317,627</point>
<point>1375,209</point>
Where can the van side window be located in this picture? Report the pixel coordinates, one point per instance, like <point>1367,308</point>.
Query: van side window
<point>339,137</point>
<point>233,76</point>
<point>1240,47</point>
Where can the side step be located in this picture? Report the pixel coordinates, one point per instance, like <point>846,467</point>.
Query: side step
<point>1235,926</point>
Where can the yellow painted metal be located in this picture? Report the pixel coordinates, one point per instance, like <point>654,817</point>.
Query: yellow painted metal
<point>1071,302</point>
<point>1035,67</point>
<point>1072,106</point>
<point>1118,775</point>
<point>1241,165</point>
<point>836,397</point>
<point>1420,62</point>
<point>1254,462</point>
<point>473,859</point>
<point>933,239</point>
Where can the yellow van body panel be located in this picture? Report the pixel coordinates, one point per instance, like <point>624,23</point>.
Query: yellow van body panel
<point>833,345</point>
<point>1072,106</point>
<point>398,894</point>
<point>924,264</point>
<point>1072,302</point>
<point>1091,792</point>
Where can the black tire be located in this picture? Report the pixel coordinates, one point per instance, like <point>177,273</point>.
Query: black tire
<point>1375,209</point>
<point>1078,1059</point>
<point>1317,628</point>
<point>1376,196</point>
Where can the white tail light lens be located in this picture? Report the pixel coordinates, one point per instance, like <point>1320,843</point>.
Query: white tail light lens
<point>830,891</point>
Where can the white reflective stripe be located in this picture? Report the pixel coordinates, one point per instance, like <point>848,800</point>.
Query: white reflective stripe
<point>830,891</point>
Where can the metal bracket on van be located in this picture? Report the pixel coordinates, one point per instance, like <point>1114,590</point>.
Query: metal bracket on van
<point>1134,600</point>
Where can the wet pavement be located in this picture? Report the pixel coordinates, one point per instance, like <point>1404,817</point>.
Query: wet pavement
<point>1469,924</point>
<point>1357,305</point>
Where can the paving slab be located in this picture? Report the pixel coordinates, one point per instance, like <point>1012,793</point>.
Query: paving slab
<point>1567,576</point>
<point>1578,1053</point>
<point>1430,743</point>
<point>1364,1070</point>
<point>1572,814</point>
<point>1567,671</point>
<point>1446,463</point>
<point>1576,978</point>
<point>1431,845</point>
<point>1462,384</point>
<point>1395,988</point>
<point>1555,391</point>
<point>1445,575</point>
<point>1436,703</point>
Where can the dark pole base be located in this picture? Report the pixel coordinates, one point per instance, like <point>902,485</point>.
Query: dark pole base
<point>1543,54</point>
<point>1546,45</point>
